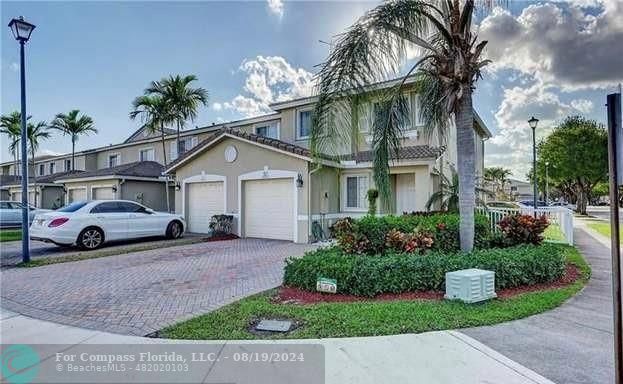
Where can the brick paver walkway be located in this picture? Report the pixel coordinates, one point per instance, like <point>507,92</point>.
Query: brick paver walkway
<point>139,293</point>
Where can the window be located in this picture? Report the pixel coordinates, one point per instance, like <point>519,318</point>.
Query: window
<point>268,130</point>
<point>185,144</point>
<point>356,189</point>
<point>68,165</point>
<point>304,124</point>
<point>146,154</point>
<point>113,160</point>
<point>128,207</point>
<point>52,168</point>
<point>416,120</point>
<point>107,207</point>
<point>41,169</point>
<point>73,207</point>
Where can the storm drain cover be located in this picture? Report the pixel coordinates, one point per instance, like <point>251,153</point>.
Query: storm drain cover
<point>273,325</point>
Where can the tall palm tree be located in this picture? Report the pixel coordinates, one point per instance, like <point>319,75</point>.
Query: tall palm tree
<point>375,49</point>
<point>154,113</point>
<point>11,126</point>
<point>36,133</point>
<point>75,126</point>
<point>182,100</point>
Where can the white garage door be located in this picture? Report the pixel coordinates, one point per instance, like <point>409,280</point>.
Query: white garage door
<point>102,193</point>
<point>76,194</point>
<point>204,201</point>
<point>269,209</point>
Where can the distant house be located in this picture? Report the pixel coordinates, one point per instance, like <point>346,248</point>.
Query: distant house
<point>518,189</point>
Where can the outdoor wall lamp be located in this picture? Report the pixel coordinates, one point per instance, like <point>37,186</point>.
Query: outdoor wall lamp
<point>114,188</point>
<point>178,187</point>
<point>299,181</point>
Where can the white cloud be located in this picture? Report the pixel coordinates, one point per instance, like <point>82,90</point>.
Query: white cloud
<point>582,105</point>
<point>560,45</point>
<point>268,80</point>
<point>276,7</point>
<point>217,106</point>
<point>47,152</point>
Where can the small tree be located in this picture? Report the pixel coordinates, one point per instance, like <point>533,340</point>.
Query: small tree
<point>372,195</point>
<point>577,151</point>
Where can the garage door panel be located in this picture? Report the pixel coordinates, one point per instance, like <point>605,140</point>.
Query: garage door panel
<point>102,193</point>
<point>77,194</point>
<point>269,209</point>
<point>204,201</point>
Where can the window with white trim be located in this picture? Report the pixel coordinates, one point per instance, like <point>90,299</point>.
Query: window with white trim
<point>68,165</point>
<point>41,169</point>
<point>184,145</point>
<point>113,160</point>
<point>147,154</point>
<point>51,166</point>
<point>268,130</point>
<point>414,105</point>
<point>303,123</point>
<point>356,188</point>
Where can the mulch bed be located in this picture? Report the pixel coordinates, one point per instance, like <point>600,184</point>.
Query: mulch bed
<point>291,295</point>
<point>222,237</point>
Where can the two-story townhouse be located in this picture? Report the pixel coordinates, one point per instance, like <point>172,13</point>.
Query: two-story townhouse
<point>264,175</point>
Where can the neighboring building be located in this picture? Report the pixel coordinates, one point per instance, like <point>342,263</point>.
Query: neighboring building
<point>50,194</point>
<point>518,190</point>
<point>260,171</point>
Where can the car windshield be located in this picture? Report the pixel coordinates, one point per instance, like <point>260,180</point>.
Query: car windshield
<point>73,207</point>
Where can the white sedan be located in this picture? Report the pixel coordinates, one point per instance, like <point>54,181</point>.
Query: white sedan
<point>88,224</point>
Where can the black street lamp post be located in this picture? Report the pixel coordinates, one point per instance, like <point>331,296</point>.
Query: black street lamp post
<point>533,122</point>
<point>22,30</point>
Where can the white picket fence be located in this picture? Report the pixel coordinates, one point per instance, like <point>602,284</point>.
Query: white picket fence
<point>559,216</point>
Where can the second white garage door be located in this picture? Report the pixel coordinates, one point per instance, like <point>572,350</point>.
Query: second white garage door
<point>269,209</point>
<point>204,201</point>
<point>77,194</point>
<point>102,193</point>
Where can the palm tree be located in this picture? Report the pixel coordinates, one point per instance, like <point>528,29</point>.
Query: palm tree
<point>448,195</point>
<point>154,113</point>
<point>375,49</point>
<point>73,125</point>
<point>498,177</point>
<point>11,126</point>
<point>181,99</point>
<point>36,133</point>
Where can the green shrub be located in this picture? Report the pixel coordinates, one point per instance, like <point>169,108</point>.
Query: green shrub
<point>368,234</point>
<point>367,275</point>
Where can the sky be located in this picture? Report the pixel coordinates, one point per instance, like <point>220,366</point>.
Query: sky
<point>550,59</point>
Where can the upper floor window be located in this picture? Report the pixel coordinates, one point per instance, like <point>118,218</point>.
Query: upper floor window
<point>304,124</point>
<point>52,165</point>
<point>268,130</point>
<point>370,111</point>
<point>68,165</point>
<point>146,154</point>
<point>41,169</point>
<point>113,160</point>
<point>185,144</point>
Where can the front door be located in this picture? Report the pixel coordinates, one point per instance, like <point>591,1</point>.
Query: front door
<point>405,193</point>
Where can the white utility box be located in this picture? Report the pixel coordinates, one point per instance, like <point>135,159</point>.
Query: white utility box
<point>470,285</point>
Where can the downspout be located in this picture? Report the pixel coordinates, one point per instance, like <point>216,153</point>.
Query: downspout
<point>309,212</point>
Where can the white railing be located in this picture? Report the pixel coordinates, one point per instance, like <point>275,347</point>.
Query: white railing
<point>560,216</point>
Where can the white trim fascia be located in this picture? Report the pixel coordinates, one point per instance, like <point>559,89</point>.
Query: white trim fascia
<point>203,178</point>
<point>106,177</point>
<point>225,134</point>
<point>270,174</point>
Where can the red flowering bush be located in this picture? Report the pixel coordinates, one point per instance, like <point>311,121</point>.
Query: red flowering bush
<point>413,242</point>
<point>523,229</point>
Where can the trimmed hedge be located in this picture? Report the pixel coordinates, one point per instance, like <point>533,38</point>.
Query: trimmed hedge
<point>366,275</point>
<point>371,231</point>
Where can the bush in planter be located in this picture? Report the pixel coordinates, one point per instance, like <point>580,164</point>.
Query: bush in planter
<point>367,275</point>
<point>221,224</point>
<point>368,235</point>
<point>523,229</point>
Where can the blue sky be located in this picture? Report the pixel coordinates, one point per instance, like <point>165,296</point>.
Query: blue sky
<point>98,56</point>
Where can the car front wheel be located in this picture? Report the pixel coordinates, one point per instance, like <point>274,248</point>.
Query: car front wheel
<point>174,230</point>
<point>91,238</point>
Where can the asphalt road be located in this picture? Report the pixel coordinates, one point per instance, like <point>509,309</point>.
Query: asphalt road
<point>603,212</point>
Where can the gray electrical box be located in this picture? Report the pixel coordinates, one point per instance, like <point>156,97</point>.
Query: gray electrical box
<point>470,285</point>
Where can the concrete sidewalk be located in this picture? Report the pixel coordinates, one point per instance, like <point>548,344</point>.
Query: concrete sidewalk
<point>433,358</point>
<point>574,342</point>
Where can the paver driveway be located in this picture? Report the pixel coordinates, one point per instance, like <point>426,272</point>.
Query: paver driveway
<point>139,293</point>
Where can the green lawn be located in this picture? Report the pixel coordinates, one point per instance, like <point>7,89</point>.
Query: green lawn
<point>371,318</point>
<point>10,234</point>
<point>553,233</point>
<point>603,228</point>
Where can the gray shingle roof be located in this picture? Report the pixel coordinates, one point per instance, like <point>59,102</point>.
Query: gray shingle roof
<point>47,179</point>
<point>136,169</point>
